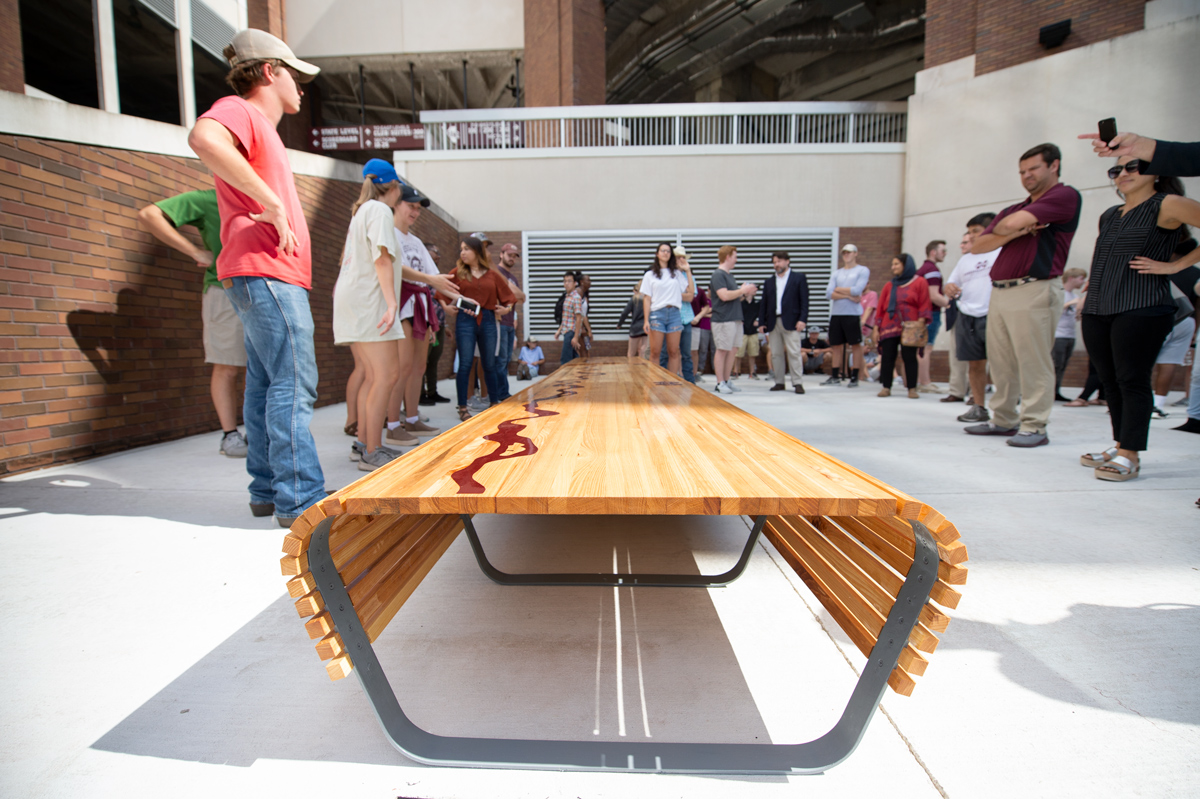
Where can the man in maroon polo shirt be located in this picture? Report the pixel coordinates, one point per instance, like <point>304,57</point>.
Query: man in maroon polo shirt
<point>1027,298</point>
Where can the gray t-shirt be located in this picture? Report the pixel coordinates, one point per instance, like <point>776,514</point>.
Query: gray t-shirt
<point>722,310</point>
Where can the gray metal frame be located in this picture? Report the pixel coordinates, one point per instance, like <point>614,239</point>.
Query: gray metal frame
<point>609,580</point>
<point>653,756</point>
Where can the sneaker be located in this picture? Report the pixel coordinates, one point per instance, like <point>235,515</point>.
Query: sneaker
<point>753,376</point>
<point>990,429</point>
<point>777,387</point>
<point>723,388</point>
<point>732,387</point>
<point>419,428</point>
<point>976,413</point>
<point>426,401</point>
<point>771,376</point>
<point>439,398</point>
<point>376,458</point>
<point>478,404</point>
<point>1025,440</point>
<point>929,388</point>
<point>833,381</point>
<point>853,382</point>
<point>700,379</point>
<point>1155,413</point>
<point>401,436</point>
<point>1182,402</point>
<point>914,393</point>
<point>233,445</point>
<point>1190,426</point>
<point>356,451</point>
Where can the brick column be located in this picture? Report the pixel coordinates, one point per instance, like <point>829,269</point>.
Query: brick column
<point>12,62</point>
<point>267,15</point>
<point>564,52</point>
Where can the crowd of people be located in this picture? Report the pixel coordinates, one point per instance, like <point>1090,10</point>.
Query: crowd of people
<point>1010,305</point>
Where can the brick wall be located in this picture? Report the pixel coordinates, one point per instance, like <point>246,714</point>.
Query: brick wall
<point>1004,33</point>
<point>564,52</point>
<point>100,333</point>
<point>12,62</point>
<point>876,248</point>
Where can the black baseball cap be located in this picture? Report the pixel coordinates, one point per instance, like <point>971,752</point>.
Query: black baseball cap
<point>410,195</point>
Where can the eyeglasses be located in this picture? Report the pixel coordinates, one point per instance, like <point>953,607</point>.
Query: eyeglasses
<point>1134,166</point>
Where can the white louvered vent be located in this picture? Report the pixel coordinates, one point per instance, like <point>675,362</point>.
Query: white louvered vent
<point>164,8</point>
<point>209,30</point>
<point>616,261</point>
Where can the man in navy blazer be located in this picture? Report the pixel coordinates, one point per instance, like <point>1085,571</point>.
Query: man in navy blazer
<point>783,316</point>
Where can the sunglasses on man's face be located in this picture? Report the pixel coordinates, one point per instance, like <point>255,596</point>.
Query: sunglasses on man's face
<point>1134,166</point>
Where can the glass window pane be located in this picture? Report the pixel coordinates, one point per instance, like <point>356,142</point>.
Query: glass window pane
<point>147,72</point>
<point>60,56</point>
<point>209,72</point>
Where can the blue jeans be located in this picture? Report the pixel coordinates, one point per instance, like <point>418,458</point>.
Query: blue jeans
<point>935,326</point>
<point>685,354</point>
<point>568,352</point>
<point>508,337</point>
<point>467,333</point>
<point>281,388</point>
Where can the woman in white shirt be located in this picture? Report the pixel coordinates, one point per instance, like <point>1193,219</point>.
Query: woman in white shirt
<point>666,285</point>
<point>365,303</point>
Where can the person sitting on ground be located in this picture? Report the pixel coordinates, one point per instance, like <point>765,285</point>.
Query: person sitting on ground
<point>1064,335</point>
<point>904,299</point>
<point>530,359</point>
<point>815,353</point>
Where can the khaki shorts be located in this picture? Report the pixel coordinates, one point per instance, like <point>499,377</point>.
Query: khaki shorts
<point>726,335</point>
<point>749,346</point>
<point>224,342</point>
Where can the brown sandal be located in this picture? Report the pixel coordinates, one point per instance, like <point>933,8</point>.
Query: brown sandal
<point>351,429</point>
<point>463,413</point>
<point>1076,403</point>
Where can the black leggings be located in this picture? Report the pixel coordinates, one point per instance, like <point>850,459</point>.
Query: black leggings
<point>887,362</point>
<point>1123,349</point>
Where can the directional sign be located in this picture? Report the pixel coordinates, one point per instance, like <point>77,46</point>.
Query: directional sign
<point>369,137</point>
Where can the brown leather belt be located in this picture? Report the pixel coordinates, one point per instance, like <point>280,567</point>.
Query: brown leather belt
<point>1007,284</point>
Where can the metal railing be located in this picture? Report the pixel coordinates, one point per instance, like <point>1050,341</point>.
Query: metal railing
<point>681,127</point>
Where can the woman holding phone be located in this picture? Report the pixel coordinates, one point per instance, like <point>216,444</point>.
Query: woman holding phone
<point>666,285</point>
<point>485,297</point>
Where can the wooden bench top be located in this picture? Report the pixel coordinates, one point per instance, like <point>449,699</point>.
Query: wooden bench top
<point>614,436</point>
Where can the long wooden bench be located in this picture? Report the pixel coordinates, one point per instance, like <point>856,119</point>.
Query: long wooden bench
<point>593,438</point>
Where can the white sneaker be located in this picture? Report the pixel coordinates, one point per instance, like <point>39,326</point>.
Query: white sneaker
<point>724,388</point>
<point>733,388</point>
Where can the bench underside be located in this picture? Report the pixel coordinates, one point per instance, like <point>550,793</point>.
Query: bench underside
<point>811,757</point>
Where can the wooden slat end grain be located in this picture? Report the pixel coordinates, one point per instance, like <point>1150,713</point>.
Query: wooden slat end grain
<point>339,667</point>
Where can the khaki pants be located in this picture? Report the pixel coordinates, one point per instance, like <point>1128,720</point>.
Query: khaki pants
<point>958,369</point>
<point>780,339</point>
<point>1020,339</point>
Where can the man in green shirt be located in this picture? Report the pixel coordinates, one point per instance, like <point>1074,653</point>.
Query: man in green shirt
<point>224,343</point>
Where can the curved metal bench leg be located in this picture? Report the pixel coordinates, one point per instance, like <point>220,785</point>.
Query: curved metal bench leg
<point>805,758</point>
<point>609,580</point>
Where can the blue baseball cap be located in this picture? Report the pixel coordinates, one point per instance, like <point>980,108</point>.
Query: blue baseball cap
<point>383,171</point>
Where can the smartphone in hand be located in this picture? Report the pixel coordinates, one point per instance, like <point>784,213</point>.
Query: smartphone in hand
<point>1108,130</point>
<point>464,304</point>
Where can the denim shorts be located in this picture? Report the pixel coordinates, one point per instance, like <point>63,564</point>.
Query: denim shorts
<point>666,320</point>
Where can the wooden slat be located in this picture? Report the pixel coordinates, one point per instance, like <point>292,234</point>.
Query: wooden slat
<point>292,566</point>
<point>888,580</point>
<point>330,646</point>
<point>365,575</point>
<point>320,625</point>
<point>899,536</point>
<point>837,593</point>
<point>339,667</point>
<point>878,601</point>
<point>941,592</point>
<point>407,580</point>
<point>310,604</point>
<point>301,585</point>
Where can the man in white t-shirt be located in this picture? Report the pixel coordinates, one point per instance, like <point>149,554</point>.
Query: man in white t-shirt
<point>971,284</point>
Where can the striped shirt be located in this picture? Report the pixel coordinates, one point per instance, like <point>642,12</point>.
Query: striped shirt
<point>1113,287</point>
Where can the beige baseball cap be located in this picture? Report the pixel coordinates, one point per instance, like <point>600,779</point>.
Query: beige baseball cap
<point>850,248</point>
<point>255,45</point>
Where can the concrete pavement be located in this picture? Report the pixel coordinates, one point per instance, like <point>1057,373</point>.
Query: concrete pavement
<point>153,650</point>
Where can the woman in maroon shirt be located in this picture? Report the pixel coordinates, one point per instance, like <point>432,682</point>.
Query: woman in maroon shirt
<point>904,299</point>
<point>477,280</point>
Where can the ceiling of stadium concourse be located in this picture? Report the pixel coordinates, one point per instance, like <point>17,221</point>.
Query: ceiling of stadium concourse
<point>750,50</point>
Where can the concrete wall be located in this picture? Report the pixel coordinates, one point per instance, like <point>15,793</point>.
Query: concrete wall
<point>966,133</point>
<point>635,192</point>
<point>367,27</point>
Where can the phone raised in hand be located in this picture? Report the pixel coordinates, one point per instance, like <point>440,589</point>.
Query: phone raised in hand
<point>1108,130</point>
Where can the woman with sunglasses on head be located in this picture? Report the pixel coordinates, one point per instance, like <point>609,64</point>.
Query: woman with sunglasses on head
<point>478,282</point>
<point>1129,311</point>
<point>666,285</point>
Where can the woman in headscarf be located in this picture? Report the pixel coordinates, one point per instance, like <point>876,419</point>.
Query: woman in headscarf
<point>905,298</point>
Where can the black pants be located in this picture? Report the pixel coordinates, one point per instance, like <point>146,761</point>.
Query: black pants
<point>887,362</point>
<point>1123,349</point>
<point>429,388</point>
<point>1093,384</point>
<point>1063,348</point>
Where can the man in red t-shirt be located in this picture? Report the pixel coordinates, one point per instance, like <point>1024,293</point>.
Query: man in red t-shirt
<point>265,266</point>
<point>1027,298</point>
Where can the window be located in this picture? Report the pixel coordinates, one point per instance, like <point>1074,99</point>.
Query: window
<point>209,73</point>
<point>147,70</point>
<point>58,40</point>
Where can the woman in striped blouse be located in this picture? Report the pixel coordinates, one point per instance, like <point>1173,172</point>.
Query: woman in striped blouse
<point>1129,310</point>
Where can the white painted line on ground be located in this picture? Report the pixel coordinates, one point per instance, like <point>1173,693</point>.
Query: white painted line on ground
<point>599,650</point>
<point>620,671</point>
<point>637,642</point>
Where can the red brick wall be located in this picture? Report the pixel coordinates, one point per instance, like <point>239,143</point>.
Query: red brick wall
<point>267,15</point>
<point>564,52</point>
<point>1004,33</point>
<point>12,62</point>
<point>876,248</point>
<point>949,30</point>
<point>100,333</point>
